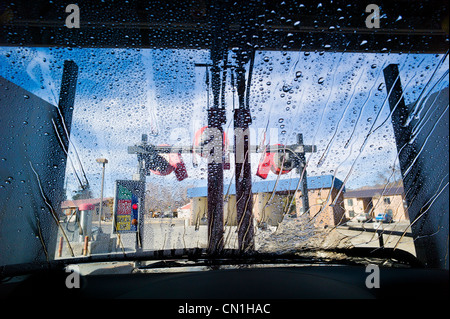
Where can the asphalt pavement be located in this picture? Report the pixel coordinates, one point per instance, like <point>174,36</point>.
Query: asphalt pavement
<point>174,233</point>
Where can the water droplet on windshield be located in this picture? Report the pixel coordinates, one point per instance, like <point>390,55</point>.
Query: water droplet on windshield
<point>287,87</point>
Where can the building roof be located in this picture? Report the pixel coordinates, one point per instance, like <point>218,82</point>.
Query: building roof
<point>78,202</point>
<point>314,182</point>
<point>187,206</point>
<point>374,192</point>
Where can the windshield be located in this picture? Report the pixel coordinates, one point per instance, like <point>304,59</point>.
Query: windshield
<point>254,145</point>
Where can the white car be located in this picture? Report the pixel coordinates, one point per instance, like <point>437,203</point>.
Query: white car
<point>363,217</point>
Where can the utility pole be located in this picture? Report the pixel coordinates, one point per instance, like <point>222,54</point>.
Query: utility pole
<point>301,156</point>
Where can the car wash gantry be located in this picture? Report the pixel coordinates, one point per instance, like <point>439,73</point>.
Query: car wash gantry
<point>211,142</point>
<point>241,32</point>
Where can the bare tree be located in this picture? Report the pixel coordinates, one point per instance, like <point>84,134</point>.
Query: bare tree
<point>161,198</point>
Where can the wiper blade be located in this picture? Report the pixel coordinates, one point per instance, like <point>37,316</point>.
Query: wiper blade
<point>395,255</point>
<point>200,257</point>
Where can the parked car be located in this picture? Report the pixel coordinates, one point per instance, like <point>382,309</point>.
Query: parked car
<point>363,217</point>
<point>167,215</point>
<point>383,217</point>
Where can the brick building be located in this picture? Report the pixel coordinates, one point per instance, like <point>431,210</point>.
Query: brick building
<point>374,201</point>
<point>272,200</point>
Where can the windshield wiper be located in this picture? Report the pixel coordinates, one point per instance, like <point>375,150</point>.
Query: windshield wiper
<point>199,257</point>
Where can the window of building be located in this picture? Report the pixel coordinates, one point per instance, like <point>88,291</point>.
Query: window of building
<point>387,200</point>
<point>350,202</point>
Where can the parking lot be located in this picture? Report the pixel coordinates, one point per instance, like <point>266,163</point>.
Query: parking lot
<point>174,233</point>
<point>395,235</point>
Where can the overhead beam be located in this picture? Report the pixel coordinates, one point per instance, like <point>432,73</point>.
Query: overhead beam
<point>405,26</point>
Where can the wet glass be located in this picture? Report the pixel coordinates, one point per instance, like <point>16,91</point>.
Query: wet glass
<point>336,100</point>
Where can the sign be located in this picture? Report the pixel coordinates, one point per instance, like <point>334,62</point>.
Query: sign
<point>127,206</point>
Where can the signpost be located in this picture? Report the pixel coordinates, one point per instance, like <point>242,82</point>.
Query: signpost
<point>301,149</point>
<point>128,201</point>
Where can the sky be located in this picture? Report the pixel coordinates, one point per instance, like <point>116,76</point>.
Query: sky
<point>336,100</point>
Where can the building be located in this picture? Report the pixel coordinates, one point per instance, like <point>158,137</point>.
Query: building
<point>68,207</point>
<point>374,201</point>
<point>273,199</point>
<point>185,211</point>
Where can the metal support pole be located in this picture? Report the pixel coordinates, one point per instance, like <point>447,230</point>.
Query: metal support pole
<point>103,161</point>
<point>380,238</point>
<point>216,118</point>
<point>242,121</point>
<point>399,115</point>
<point>85,220</point>
<point>101,199</point>
<point>67,100</point>
<point>85,245</point>
<point>407,153</point>
<point>243,178</point>
<point>215,187</point>
<point>142,173</point>
<point>301,155</point>
<point>63,123</point>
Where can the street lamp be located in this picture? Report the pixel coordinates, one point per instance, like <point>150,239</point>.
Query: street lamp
<point>103,161</point>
